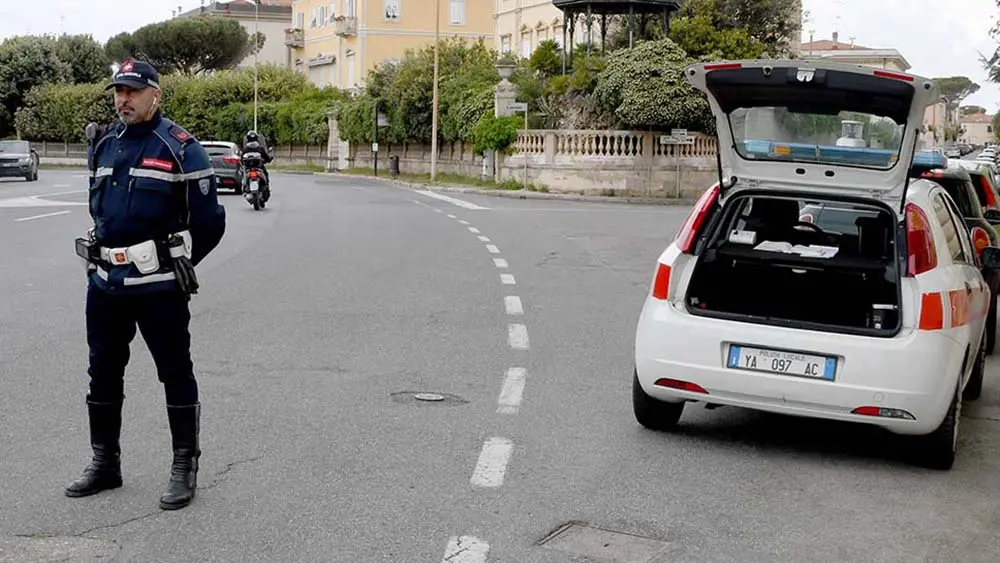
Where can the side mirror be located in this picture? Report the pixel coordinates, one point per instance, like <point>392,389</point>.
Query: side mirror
<point>990,257</point>
<point>992,216</point>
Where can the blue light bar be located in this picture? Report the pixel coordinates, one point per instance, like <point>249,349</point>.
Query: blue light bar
<point>929,160</point>
<point>803,152</point>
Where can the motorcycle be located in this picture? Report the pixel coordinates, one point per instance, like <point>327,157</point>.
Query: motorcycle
<point>255,183</point>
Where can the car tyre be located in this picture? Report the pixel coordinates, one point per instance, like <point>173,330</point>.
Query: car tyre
<point>937,449</point>
<point>974,388</point>
<point>652,413</point>
<point>991,328</point>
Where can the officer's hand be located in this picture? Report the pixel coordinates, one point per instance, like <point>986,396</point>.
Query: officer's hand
<point>186,277</point>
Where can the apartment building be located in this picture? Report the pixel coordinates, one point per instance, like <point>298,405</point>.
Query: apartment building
<point>336,42</point>
<point>270,19</point>
<point>978,129</point>
<point>522,24</point>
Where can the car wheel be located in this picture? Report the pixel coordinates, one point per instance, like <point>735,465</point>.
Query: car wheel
<point>937,449</point>
<point>974,388</point>
<point>991,328</point>
<point>652,413</point>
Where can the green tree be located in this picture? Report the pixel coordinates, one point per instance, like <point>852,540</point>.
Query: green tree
<point>644,87</point>
<point>971,110</point>
<point>772,23</point>
<point>26,62</point>
<point>954,89</point>
<point>699,38</point>
<point>186,45</point>
<point>59,112</point>
<point>85,56</point>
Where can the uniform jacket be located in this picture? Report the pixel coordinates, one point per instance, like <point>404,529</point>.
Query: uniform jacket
<point>148,181</point>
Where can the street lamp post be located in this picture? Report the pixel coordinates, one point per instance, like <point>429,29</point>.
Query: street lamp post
<point>256,21</point>
<point>434,103</point>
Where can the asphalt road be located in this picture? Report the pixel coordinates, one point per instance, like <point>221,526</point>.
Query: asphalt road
<point>318,320</point>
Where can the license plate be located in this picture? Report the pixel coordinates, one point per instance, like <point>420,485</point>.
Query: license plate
<point>781,362</point>
<point>253,185</point>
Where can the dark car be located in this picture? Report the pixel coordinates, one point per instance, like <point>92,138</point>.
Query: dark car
<point>226,162</point>
<point>18,160</point>
<point>962,189</point>
<point>982,179</point>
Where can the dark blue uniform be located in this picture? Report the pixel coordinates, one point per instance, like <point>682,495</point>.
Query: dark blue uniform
<point>148,181</point>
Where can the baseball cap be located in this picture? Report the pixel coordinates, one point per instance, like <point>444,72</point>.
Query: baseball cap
<point>135,74</point>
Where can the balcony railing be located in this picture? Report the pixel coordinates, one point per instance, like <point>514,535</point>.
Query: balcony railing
<point>347,26</point>
<point>294,38</point>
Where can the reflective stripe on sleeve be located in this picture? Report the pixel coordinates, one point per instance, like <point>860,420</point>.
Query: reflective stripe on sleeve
<point>170,176</point>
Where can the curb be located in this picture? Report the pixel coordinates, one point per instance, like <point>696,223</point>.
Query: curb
<point>522,193</point>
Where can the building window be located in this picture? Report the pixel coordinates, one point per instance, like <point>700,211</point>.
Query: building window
<point>351,8</point>
<point>332,12</point>
<point>322,16</point>
<point>526,44</point>
<point>391,9</point>
<point>505,44</point>
<point>312,20</point>
<point>457,12</point>
<point>350,70</point>
<point>300,20</point>
<point>557,34</point>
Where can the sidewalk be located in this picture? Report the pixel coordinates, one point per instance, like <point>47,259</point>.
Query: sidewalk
<point>516,194</point>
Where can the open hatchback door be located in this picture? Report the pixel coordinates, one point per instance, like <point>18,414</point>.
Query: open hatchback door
<point>815,125</point>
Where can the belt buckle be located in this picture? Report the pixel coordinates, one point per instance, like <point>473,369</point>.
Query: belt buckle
<point>118,256</point>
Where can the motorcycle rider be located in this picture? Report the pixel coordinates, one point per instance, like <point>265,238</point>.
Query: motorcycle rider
<point>254,141</point>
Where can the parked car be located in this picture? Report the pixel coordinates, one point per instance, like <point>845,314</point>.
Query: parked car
<point>18,160</point>
<point>983,179</point>
<point>953,152</point>
<point>226,161</point>
<point>749,307</point>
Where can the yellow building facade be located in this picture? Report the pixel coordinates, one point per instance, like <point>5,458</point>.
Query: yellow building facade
<point>336,42</point>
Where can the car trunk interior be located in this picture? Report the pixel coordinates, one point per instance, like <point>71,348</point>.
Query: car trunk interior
<point>825,265</point>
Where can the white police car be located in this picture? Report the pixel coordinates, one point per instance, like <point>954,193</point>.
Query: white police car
<point>880,322</point>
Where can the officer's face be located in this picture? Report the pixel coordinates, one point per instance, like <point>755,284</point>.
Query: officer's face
<point>135,105</point>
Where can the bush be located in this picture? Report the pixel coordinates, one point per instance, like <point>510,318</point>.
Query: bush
<point>496,133</point>
<point>59,112</point>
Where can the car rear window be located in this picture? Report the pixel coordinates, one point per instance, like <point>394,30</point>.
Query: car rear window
<point>216,150</point>
<point>959,192</point>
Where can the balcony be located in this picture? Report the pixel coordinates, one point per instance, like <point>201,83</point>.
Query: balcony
<point>294,38</point>
<point>346,26</point>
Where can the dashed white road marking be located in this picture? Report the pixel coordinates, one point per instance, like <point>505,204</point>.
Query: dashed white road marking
<point>492,248</point>
<point>466,549</point>
<point>512,392</point>
<point>499,262</point>
<point>492,464</point>
<point>463,222</point>
<point>474,230</point>
<point>450,216</point>
<point>60,185</point>
<point>41,216</point>
<point>517,336</point>
<point>513,305</point>
<point>451,200</point>
<point>484,239</point>
<point>507,279</point>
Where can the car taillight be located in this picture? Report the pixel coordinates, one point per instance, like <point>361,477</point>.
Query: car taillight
<point>231,159</point>
<point>253,174</point>
<point>661,283</point>
<point>921,252</point>
<point>980,239</point>
<point>696,219</point>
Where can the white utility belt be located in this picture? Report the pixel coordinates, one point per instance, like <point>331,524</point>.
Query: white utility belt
<point>144,255</point>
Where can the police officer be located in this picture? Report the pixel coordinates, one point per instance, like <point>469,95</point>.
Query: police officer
<point>156,215</point>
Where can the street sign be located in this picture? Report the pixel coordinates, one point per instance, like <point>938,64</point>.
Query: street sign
<point>517,106</point>
<point>679,133</point>
<point>374,147</point>
<point>382,120</point>
<point>674,140</point>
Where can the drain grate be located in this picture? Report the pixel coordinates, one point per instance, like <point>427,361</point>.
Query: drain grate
<point>607,545</point>
<point>426,398</point>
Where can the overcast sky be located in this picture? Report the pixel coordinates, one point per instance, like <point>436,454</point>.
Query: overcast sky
<point>937,37</point>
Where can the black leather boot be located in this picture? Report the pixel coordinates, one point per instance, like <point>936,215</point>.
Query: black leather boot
<point>184,429</point>
<point>104,471</point>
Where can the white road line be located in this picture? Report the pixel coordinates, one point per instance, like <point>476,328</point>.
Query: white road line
<point>465,549</point>
<point>484,239</point>
<point>451,200</point>
<point>450,216</point>
<point>499,262</point>
<point>474,230</point>
<point>513,305</point>
<point>37,196</point>
<point>492,463</point>
<point>492,248</point>
<point>41,216</point>
<point>512,392</point>
<point>60,185</point>
<point>517,336</point>
<point>507,279</point>
<point>463,222</point>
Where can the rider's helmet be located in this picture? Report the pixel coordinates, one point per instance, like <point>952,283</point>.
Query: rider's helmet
<point>251,137</point>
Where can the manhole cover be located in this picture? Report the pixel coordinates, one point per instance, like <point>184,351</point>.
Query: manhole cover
<point>427,397</point>
<point>606,545</point>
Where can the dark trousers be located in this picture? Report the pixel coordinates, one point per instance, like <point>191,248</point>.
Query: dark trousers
<point>163,319</point>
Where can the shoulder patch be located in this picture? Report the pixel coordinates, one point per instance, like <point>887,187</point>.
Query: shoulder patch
<point>204,185</point>
<point>179,133</point>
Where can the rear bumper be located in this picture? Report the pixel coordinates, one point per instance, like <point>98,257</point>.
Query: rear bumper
<point>227,178</point>
<point>16,171</point>
<point>915,371</point>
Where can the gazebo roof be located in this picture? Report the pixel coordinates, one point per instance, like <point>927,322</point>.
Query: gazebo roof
<point>619,6</point>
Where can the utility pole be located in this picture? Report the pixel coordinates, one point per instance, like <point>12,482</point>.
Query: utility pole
<point>434,103</point>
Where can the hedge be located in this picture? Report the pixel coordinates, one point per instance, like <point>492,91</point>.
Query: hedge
<point>217,106</point>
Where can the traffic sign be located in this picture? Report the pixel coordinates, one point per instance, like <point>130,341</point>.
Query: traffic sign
<point>374,147</point>
<point>517,106</point>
